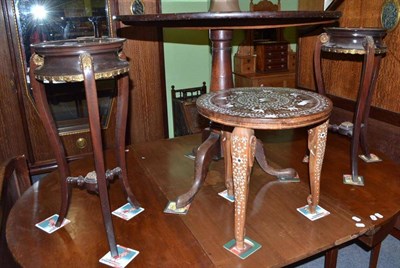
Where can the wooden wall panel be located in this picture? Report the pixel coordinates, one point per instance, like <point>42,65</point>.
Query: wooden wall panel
<point>148,111</point>
<point>315,5</point>
<point>342,76</point>
<point>12,138</point>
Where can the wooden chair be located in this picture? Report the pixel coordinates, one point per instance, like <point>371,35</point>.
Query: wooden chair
<point>14,181</point>
<point>186,118</point>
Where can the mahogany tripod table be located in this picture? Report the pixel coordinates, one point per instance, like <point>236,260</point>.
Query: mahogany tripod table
<point>87,60</point>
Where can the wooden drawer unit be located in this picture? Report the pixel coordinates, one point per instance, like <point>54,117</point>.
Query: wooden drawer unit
<point>284,79</point>
<point>271,56</point>
<point>245,64</point>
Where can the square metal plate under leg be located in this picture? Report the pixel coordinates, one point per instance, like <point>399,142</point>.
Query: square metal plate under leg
<point>348,179</point>
<point>371,159</point>
<point>250,247</point>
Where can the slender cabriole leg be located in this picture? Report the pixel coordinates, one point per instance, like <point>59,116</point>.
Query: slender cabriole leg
<point>243,143</point>
<point>39,93</point>
<point>316,144</point>
<point>366,78</point>
<point>95,131</point>
<point>364,128</point>
<point>204,155</point>
<point>322,39</point>
<point>120,134</point>
<point>262,161</point>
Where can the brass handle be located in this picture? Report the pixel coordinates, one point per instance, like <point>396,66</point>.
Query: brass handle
<point>38,60</point>
<point>81,143</point>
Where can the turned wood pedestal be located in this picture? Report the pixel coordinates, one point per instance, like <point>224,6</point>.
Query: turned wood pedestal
<point>247,109</point>
<point>86,60</point>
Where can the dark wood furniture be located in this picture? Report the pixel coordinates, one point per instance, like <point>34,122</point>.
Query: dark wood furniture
<point>384,119</point>
<point>87,60</point>
<point>186,118</point>
<point>14,181</point>
<point>264,108</point>
<point>20,119</point>
<point>221,27</point>
<point>195,239</point>
<point>285,79</point>
<point>367,42</point>
<point>272,56</point>
<point>262,53</point>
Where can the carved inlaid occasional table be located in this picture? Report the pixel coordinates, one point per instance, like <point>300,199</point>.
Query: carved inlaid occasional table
<point>367,43</point>
<point>247,109</point>
<point>87,60</point>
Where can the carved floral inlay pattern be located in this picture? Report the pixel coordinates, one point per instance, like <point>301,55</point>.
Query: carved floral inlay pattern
<point>239,168</point>
<point>316,145</point>
<point>243,150</point>
<point>267,102</point>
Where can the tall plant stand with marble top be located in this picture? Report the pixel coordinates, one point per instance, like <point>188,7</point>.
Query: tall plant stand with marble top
<point>366,42</point>
<point>247,109</point>
<point>86,60</point>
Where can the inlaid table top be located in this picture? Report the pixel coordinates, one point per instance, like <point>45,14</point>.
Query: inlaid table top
<point>265,107</point>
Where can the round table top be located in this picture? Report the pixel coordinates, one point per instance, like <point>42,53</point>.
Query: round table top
<point>265,107</point>
<point>232,20</point>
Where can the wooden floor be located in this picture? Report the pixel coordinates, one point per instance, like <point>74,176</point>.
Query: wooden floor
<point>159,171</point>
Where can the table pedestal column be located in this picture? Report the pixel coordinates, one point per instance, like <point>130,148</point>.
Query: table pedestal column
<point>221,71</point>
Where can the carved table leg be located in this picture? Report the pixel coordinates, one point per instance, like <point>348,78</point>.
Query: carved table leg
<point>120,133</point>
<point>243,143</point>
<point>43,108</point>
<point>316,144</point>
<point>95,130</point>
<point>204,156</point>
<point>262,161</point>
<point>226,143</point>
